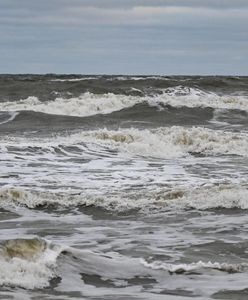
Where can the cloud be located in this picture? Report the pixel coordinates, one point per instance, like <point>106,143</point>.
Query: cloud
<point>125,4</point>
<point>48,5</point>
<point>84,15</point>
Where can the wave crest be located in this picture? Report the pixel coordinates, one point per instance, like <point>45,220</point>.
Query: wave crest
<point>172,142</point>
<point>89,104</point>
<point>194,267</point>
<point>28,263</point>
<point>85,105</point>
<point>203,198</point>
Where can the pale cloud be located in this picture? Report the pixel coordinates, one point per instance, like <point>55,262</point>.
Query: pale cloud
<point>136,15</point>
<point>46,5</point>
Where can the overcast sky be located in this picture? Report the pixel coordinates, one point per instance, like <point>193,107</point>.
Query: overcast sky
<point>124,36</point>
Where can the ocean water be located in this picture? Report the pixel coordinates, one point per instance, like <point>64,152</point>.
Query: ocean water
<point>123,187</point>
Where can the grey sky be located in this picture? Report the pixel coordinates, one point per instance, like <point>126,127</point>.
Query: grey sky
<point>124,36</point>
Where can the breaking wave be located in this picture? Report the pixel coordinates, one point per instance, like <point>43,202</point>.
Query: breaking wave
<point>170,142</point>
<point>194,97</point>
<point>85,105</point>
<point>201,198</point>
<point>74,79</point>
<point>163,142</point>
<point>194,267</point>
<point>207,197</point>
<point>90,104</point>
<point>28,263</point>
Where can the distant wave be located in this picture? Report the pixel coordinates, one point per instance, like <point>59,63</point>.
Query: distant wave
<point>137,78</point>
<point>74,79</point>
<point>110,78</point>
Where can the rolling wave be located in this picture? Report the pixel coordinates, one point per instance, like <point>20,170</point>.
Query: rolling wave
<point>91,104</point>
<point>175,141</point>
<point>6,117</point>
<point>74,79</point>
<point>116,161</point>
<point>28,263</point>
<point>204,197</point>
<point>85,105</point>
<point>106,270</point>
<point>162,142</point>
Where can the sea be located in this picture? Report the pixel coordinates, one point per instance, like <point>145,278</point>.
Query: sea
<point>123,187</point>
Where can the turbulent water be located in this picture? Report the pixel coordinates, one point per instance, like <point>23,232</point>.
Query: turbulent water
<point>123,187</point>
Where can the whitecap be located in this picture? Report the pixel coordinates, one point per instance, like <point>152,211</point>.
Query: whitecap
<point>180,96</point>
<point>85,105</point>
<point>201,197</point>
<point>74,79</point>
<point>28,263</point>
<point>171,142</point>
<point>193,267</point>
<point>89,104</point>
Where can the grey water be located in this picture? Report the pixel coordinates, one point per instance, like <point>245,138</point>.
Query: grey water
<point>123,187</point>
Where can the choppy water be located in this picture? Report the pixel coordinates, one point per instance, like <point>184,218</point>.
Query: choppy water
<point>123,187</point>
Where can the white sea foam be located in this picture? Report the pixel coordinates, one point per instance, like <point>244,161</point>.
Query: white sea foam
<point>193,267</point>
<point>27,272</point>
<point>89,104</point>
